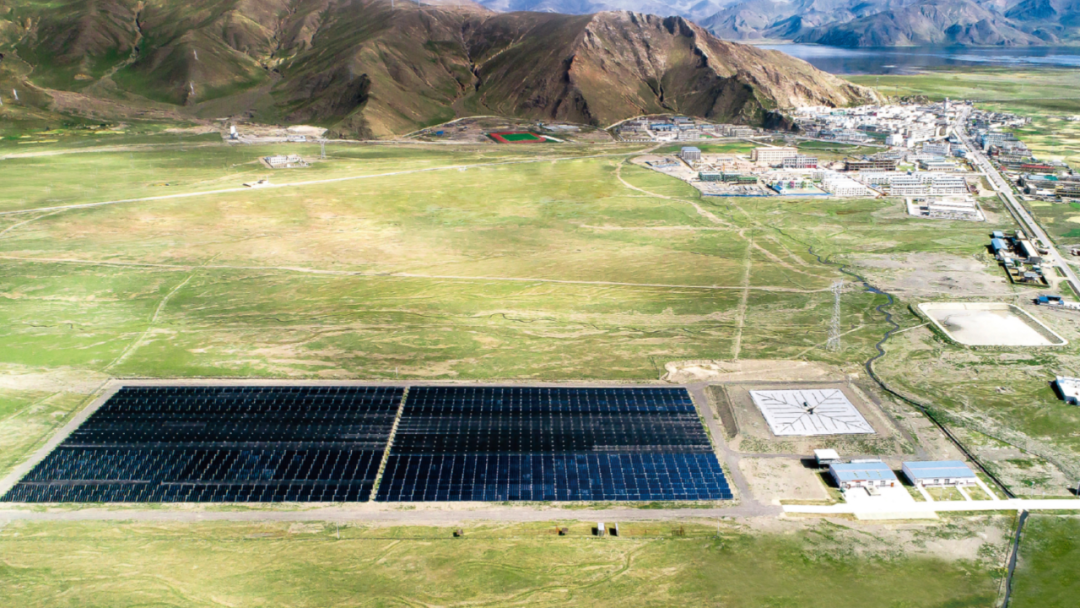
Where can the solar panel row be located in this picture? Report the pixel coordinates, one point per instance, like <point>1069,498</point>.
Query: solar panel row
<point>303,443</point>
<point>189,492</point>
<point>552,477</point>
<point>213,444</point>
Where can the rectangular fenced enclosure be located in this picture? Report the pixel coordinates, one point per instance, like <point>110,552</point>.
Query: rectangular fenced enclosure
<point>327,443</point>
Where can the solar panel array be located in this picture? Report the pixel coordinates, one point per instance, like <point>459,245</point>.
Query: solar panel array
<point>326,444</point>
<point>550,444</point>
<point>221,444</point>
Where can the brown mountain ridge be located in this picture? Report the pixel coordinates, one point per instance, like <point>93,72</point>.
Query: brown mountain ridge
<point>366,68</point>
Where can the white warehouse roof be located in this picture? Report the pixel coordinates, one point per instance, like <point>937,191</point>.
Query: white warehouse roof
<point>937,469</point>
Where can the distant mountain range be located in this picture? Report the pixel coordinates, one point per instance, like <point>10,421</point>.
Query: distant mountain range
<point>859,23</point>
<point>363,67</point>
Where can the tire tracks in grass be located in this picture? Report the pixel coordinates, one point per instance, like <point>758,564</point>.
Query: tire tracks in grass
<point>25,222</point>
<point>317,182</point>
<point>153,319</point>
<point>401,275</point>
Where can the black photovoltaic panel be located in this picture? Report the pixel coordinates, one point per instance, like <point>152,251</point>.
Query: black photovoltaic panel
<point>221,444</point>
<point>512,443</point>
<point>548,477</point>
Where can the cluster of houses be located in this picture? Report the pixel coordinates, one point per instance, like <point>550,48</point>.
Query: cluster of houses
<point>1021,258</point>
<point>678,128</point>
<point>873,473</point>
<point>898,126</point>
<point>1037,178</point>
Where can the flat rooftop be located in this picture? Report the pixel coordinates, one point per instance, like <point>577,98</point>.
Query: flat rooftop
<point>805,412</point>
<point>937,469</point>
<point>862,471</point>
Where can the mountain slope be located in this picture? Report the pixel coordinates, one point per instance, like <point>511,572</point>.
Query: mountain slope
<point>364,68</point>
<point>928,22</point>
<point>900,22</point>
<point>691,9</point>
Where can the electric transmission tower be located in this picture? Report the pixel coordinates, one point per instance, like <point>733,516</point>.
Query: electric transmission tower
<point>834,326</point>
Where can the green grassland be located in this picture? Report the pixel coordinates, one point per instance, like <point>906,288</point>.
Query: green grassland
<point>213,564</point>
<point>70,171</point>
<point>726,147</point>
<point>1028,91</point>
<point>541,270</point>
<point>834,151</point>
<point>1061,220</point>
<point>1046,574</point>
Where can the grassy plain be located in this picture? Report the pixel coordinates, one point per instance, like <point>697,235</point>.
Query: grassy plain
<point>213,564</point>
<point>574,267</point>
<point>1046,574</point>
<point>541,269</point>
<point>1032,91</point>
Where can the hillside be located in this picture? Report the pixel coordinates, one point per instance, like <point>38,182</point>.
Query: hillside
<point>365,69</point>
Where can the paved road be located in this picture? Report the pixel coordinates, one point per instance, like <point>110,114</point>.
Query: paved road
<point>1005,192</point>
<point>460,513</point>
<point>1063,504</point>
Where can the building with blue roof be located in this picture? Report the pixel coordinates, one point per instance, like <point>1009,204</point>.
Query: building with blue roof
<point>875,474</point>
<point>939,473</point>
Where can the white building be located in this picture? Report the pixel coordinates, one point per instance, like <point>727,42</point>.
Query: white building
<point>842,185</point>
<point>917,184</point>
<point>939,473</point>
<point>826,457</point>
<point>863,475</point>
<point>1069,389</point>
<point>937,165</point>
<point>952,208</point>
<point>690,154</point>
<point>800,162</point>
<point>282,161</point>
<point>940,149</point>
<point>772,156</point>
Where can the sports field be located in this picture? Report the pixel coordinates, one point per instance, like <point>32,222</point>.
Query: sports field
<point>510,137</point>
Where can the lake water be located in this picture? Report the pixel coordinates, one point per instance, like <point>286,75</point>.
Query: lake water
<point>908,60</point>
